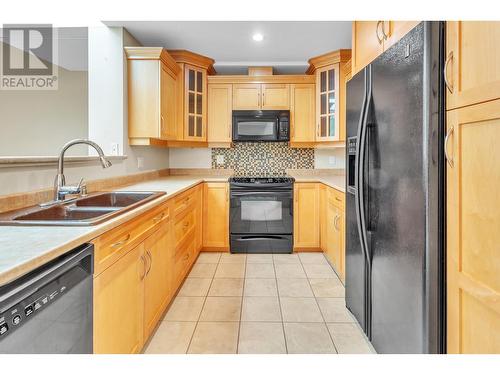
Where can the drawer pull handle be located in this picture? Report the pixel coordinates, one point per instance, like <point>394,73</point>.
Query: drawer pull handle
<point>122,242</point>
<point>338,199</point>
<point>186,224</point>
<point>186,257</point>
<point>159,217</point>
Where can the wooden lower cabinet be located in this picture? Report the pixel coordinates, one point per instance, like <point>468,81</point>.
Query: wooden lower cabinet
<point>473,222</point>
<point>119,305</point>
<point>306,216</point>
<point>216,216</point>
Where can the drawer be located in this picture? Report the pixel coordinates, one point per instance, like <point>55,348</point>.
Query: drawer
<point>112,245</point>
<point>184,258</point>
<point>183,225</point>
<point>185,201</point>
<point>336,197</point>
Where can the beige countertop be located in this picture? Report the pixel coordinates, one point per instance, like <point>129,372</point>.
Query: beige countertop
<point>22,249</point>
<point>336,181</point>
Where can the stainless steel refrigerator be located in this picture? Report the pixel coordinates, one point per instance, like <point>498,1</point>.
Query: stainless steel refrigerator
<point>395,195</point>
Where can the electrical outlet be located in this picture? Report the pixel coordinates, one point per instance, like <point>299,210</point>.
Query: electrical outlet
<point>219,160</point>
<point>332,160</point>
<point>115,149</point>
<point>140,162</point>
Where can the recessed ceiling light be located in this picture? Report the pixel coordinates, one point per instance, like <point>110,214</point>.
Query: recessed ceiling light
<point>258,37</point>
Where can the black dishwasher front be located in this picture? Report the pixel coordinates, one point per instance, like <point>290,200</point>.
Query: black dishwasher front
<point>49,310</point>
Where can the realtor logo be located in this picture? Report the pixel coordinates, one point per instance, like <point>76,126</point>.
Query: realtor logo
<point>28,58</point>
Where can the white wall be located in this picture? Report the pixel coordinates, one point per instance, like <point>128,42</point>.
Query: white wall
<point>107,119</point>
<point>329,158</point>
<point>190,158</point>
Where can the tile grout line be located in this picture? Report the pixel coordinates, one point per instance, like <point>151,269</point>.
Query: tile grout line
<point>203,305</point>
<point>279,305</point>
<point>241,305</point>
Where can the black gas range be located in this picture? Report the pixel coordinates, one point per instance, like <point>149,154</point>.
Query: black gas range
<point>261,216</point>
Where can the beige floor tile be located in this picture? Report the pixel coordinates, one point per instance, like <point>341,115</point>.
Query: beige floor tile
<point>260,270</point>
<point>294,288</point>
<point>286,259</point>
<point>208,257</point>
<point>308,338</point>
<point>171,338</point>
<point>300,310</point>
<point>185,309</point>
<point>230,270</point>
<point>214,338</point>
<point>203,270</point>
<point>261,309</point>
<point>327,287</point>
<point>289,271</point>
<point>334,310</point>
<point>233,258</point>
<point>226,288</point>
<point>221,309</point>
<point>260,288</point>
<point>195,287</point>
<point>348,338</point>
<point>313,258</point>
<point>319,271</point>
<point>261,338</point>
<point>259,258</point>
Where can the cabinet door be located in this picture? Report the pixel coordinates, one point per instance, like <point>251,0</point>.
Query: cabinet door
<point>473,222</point>
<point>327,108</point>
<point>216,215</point>
<point>334,236</point>
<point>220,107</point>
<point>367,43</point>
<point>395,30</point>
<point>306,216</point>
<point>323,235</point>
<point>246,96</point>
<point>303,112</point>
<point>196,105</point>
<point>119,305</point>
<point>168,123</point>
<point>473,62</point>
<point>275,96</point>
<point>158,282</point>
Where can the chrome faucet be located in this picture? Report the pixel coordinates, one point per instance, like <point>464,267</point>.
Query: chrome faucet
<point>60,187</point>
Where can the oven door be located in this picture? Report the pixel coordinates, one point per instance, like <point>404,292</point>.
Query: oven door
<point>253,128</point>
<point>261,212</point>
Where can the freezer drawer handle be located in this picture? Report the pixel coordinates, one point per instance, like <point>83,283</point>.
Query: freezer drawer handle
<point>446,139</point>
<point>449,85</point>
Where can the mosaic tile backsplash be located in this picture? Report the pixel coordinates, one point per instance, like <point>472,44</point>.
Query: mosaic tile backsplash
<point>263,158</point>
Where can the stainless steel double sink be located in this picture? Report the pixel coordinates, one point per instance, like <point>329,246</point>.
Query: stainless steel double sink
<point>85,211</point>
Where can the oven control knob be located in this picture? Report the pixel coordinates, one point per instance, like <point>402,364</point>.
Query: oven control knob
<point>16,320</point>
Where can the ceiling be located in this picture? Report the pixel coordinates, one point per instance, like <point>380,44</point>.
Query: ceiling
<point>286,46</point>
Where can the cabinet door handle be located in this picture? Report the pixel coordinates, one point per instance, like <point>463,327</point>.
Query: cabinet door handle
<point>263,99</point>
<point>143,260</point>
<point>148,253</point>
<point>384,35</point>
<point>449,159</point>
<point>335,221</point>
<point>122,242</point>
<point>159,217</point>
<point>449,85</point>
<point>380,40</point>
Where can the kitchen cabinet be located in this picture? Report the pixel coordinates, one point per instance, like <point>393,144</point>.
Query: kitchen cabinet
<point>472,68</point>
<point>257,96</point>
<point>330,72</point>
<point>158,282</point>
<point>151,75</point>
<point>119,305</point>
<point>322,217</point>
<point>302,113</point>
<point>306,216</point>
<point>220,108</point>
<point>216,216</point>
<point>372,38</point>
<point>473,219</point>
<point>335,249</point>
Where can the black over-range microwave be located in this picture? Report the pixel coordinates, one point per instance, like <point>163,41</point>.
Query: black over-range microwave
<point>270,126</point>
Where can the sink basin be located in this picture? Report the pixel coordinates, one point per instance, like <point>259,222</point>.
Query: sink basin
<point>90,210</point>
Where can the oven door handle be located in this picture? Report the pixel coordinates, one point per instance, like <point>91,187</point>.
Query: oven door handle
<point>247,193</point>
<point>258,238</point>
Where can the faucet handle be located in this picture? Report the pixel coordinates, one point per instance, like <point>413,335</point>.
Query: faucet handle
<point>79,186</point>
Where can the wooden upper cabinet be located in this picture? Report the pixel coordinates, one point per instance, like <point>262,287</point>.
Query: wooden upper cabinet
<point>246,96</point>
<point>473,63</point>
<point>119,305</point>
<point>220,107</point>
<point>473,219</point>
<point>257,96</point>
<point>367,43</point>
<point>275,96</point>
<point>302,112</point>
<point>151,78</point>
<point>216,216</point>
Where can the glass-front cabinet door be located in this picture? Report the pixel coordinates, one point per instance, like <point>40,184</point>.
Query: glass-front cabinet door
<point>196,103</point>
<point>327,86</point>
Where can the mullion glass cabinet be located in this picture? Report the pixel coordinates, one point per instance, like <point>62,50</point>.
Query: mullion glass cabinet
<point>196,103</point>
<point>327,86</point>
